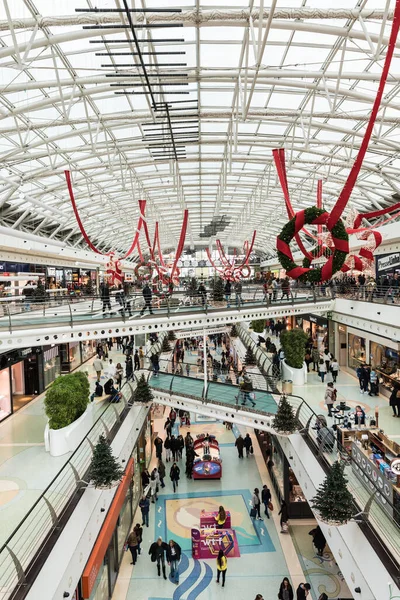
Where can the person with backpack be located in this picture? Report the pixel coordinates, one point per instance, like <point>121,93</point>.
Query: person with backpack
<point>330,397</point>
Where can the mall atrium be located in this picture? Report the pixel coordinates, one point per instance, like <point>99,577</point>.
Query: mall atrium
<point>199,300</point>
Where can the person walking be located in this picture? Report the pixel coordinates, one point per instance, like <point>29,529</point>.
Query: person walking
<point>154,481</point>
<point>363,378</point>
<point>161,472</point>
<point>256,504</point>
<point>174,557</point>
<point>128,368</point>
<point>284,516</point>
<point>322,369</point>
<point>133,545</point>
<point>168,428</point>
<point>222,566</point>
<point>266,498</point>
<point>98,366</point>
<point>119,373</point>
<point>105,297</point>
<point>248,444</point>
<point>238,293</point>
<point>144,506</point>
<point>174,475</point>
<point>373,383</point>
<point>239,445</point>
<point>138,529</point>
<point>158,444</point>
<point>188,441</point>
<point>303,591</point>
<point>145,477</point>
<point>285,590</point>
<point>147,295</point>
<point>174,447</point>
<point>159,551</point>
<point>394,400</point>
<point>315,358</point>
<point>141,358</point>
<point>136,360</point>
<point>228,292</point>
<point>330,397</point>
<point>334,369</point>
<point>168,451</point>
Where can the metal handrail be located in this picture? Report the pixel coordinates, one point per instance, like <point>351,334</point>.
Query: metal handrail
<point>19,552</point>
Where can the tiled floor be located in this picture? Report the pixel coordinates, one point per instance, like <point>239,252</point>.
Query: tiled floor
<point>266,555</point>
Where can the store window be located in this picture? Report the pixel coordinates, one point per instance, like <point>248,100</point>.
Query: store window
<point>5,394</point>
<point>124,524</point>
<point>357,351</point>
<point>88,349</point>
<point>101,590</point>
<point>387,363</point>
<point>51,364</point>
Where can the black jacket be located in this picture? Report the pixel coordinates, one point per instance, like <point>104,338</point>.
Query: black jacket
<point>174,473</point>
<point>147,293</point>
<point>177,550</point>
<point>247,442</point>
<point>280,594</point>
<point>153,550</point>
<point>265,495</point>
<point>239,443</point>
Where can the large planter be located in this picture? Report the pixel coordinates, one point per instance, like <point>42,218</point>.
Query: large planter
<point>64,440</point>
<point>297,376</point>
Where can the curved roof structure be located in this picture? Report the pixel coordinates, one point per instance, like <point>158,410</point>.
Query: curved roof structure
<point>183,107</point>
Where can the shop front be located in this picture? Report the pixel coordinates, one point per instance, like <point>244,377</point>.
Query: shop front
<point>283,478</point>
<point>101,571</point>
<point>88,349</point>
<point>357,351</point>
<point>51,364</point>
<point>386,362</point>
<point>316,327</point>
<point>21,379</point>
<point>70,356</point>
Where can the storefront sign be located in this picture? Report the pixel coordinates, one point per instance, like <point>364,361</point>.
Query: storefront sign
<point>25,351</point>
<point>97,556</point>
<point>387,261</point>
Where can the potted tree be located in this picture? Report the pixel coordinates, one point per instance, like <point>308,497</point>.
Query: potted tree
<point>249,358</point>
<point>105,472</point>
<point>294,346</point>
<point>234,332</point>
<point>285,422</point>
<point>142,393</point>
<point>258,325</point>
<point>66,406</point>
<point>333,501</point>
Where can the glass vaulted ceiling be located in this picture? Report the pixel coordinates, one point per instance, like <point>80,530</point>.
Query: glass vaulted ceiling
<point>303,77</point>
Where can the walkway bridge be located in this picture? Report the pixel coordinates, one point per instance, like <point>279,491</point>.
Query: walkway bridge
<point>81,319</point>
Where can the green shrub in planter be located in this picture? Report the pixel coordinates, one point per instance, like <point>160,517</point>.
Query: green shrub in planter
<point>258,325</point>
<point>66,400</point>
<point>294,345</point>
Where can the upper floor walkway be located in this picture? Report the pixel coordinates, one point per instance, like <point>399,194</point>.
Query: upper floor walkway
<point>66,319</point>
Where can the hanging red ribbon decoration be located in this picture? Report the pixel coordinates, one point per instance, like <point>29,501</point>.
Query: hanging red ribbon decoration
<point>335,261</point>
<point>230,271</point>
<point>114,272</point>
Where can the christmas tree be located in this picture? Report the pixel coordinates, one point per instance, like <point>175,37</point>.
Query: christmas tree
<point>192,287</point>
<point>249,358</point>
<point>89,287</point>
<point>39,293</point>
<point>105,471</point>
<point>285,420</point>
<point>234,331</point>
<point>218,289</point>
<point>166,346</point>
<point>333,501</point>
<point>171,335</point>
<point>142,392</point>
